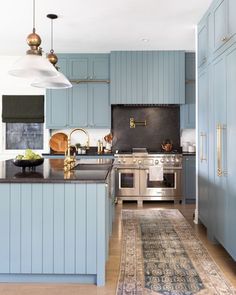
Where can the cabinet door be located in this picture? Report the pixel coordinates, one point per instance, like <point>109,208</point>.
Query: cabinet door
<point>57,103</point>
<point>79,68</point>
<point>203,42</point>
<point>79,105</point>
<point>189,183</point>
<point>220,29</point>
<point>231,18</point>
<point>231,143</point>
<point>99,67</point>
<point>187,111</point>
<point>99,106</point>
<point>203,139</point>
<point>219,96</point>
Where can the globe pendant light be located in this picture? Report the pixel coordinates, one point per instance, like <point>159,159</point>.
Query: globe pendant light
<point>60,81</point>
<point>33,64</point>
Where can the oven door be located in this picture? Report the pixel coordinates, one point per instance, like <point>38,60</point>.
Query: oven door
<point>127,182</point>
<point>169,188</point>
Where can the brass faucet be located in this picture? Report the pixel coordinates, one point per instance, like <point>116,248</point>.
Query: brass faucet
<point>69,161</point>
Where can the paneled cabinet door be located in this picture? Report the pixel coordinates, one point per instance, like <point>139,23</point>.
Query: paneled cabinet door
<point>100,110</point>
<point>79,105</point>
<point>231,143</point>
<point>223,22</point>
<point>79,68</point>
<point>56,109</point>
<point>220,129</point>
<point>203,139</point>
<point>99,68</point>
<point>187,110</point>
<point>203,28</point>
<point>189,183</point>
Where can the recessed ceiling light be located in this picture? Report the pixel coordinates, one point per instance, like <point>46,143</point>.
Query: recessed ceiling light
<point>145,40</point>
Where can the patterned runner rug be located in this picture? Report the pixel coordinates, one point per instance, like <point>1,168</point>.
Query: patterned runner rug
<point>162,255</point>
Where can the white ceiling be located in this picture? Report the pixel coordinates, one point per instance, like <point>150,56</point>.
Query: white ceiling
<point>102,25</point>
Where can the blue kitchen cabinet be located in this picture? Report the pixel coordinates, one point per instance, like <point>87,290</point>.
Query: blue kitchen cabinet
<point>203,150</point>
<point>223,24</point>
<point>187,111</point>
<point>79,105</point>
<point>203,41</point>
<point>147,77</point>
<point>57,107</point>
<point>85,104</point>
<point>90,106</point>
<point>189,178</point>
<point>100,109</point>
<point>88,66</point>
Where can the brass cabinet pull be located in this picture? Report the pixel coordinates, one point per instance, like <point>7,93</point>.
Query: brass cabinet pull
<point>219,150</point>
<point>202,136</point>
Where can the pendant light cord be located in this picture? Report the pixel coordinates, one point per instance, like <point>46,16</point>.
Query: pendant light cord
<point>34,16</point>
<point>51,34</point>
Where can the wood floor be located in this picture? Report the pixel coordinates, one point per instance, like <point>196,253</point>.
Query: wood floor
<point>224,261</point>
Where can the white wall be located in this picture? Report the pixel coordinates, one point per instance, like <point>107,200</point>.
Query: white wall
<point>10,85</point>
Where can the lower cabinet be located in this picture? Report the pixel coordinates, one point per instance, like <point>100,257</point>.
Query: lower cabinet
<point>84,105</point>
<point>189,178</point>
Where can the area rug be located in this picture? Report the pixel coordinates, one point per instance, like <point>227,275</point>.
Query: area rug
<point>162,255</point>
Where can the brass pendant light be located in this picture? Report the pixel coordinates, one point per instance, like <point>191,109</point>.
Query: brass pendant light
<point>60,81</point>
<point>33,64</point>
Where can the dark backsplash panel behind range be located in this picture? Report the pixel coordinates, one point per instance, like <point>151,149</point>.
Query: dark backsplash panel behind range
<point>163,122</point>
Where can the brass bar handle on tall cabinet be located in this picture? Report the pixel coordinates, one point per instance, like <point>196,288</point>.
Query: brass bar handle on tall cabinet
<point>202,136</point>
<point>219,150</point>
<point>220,171</point>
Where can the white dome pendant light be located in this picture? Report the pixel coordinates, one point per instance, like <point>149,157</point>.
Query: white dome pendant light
<point>60,81</point>
<point>33,64</point>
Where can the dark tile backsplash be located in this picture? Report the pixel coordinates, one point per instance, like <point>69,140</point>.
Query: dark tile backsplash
<point>163,122</point>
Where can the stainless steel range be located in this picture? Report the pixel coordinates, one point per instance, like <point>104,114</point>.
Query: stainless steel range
<point>133,181</point>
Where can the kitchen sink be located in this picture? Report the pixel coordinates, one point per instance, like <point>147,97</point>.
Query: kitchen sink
<point>92,167</point>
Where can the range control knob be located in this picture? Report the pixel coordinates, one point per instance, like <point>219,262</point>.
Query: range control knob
<point>119,161</point>
<point>173,159</point>
<point>156,162</point>
<point>134,161</point>
<point>167,160</point>
<point>162,161</point>
<point>124,160</point>
<point>177,160</point>
<point>140,162</point>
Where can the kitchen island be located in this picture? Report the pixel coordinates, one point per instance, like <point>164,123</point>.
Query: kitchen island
<point>55,227</point>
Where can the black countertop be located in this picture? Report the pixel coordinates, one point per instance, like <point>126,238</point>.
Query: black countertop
<point>51,171</point>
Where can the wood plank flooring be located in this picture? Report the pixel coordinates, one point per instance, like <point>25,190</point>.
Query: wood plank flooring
<point>224,261</point>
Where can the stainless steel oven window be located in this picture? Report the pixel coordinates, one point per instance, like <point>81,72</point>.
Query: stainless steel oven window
<point>169,181</point>
<point>126,180</point>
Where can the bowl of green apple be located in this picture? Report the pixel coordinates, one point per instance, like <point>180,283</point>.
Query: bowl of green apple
<point>29,160</point>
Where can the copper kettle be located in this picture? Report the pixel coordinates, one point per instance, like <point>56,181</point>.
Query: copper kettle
<point>167,146</point>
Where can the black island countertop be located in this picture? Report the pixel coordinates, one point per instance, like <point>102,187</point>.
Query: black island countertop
<point>51,171</point>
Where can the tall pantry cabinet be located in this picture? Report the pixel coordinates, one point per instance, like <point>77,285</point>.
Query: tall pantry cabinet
<point>217,125</point>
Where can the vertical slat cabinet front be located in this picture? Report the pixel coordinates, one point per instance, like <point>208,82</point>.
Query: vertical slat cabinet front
<point>231,138</point>
<point>203,139</point>
<point>91,220</point>
<point>5,230</point>
<point>79,105</point>
<point>231,18</point>
<point>203,31</point>
<point>100,111</point>
<point>59,228</point>
<point>37,228</point>
<point>48,228</point>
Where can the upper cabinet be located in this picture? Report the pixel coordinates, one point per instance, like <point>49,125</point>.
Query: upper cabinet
<point>203,40</point>
<point>222,25</point>
<point>147,77</point>
<point>187,110</point>
<point>88,67</point>
<point>85,104</point>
